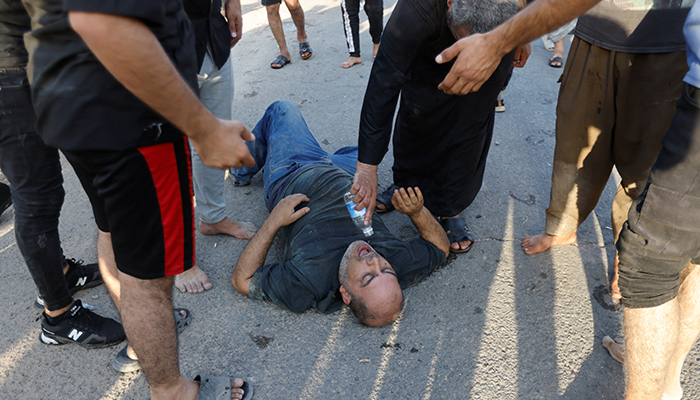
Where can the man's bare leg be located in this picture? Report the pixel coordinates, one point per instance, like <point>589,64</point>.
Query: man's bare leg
<point>614,287</point>
<point>297,14</point>
<point>539,243</point>
<point>238,229</point>
<point>689,305</point>
<point>275,22</point>
<point>650,338</point>
<point>351,61</point>
<point>108,266</point>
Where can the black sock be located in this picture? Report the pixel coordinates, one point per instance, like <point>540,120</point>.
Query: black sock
<point>54,320</point>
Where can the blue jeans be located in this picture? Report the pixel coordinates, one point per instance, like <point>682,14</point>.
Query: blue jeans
<point>283,144</point>
<point>34,172</point>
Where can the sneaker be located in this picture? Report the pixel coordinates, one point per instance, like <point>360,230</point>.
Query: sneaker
<point>79,276</point>
<point>83,327</point>
<point>500,103</point>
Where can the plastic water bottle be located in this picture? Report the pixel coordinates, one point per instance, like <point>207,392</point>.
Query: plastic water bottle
<point>358,217</point>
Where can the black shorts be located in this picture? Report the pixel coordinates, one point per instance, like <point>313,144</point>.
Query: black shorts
<point>662,233</point>
<point>270,2</point>
<point>143,197</point>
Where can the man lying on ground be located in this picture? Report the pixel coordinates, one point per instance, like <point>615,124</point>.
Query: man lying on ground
<point>327,260</point>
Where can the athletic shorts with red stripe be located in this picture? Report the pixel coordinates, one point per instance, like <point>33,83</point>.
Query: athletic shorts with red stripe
<point>143,197</point>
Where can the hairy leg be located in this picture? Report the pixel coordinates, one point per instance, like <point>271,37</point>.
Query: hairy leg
<point>297,14</point>
<point>689,304</point>
<point>542,242</point>
<point>275,22</point>
<point>650,338</point>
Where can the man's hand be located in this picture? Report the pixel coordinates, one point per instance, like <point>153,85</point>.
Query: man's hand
<point>235,20</point>
<point>477,58</point>
<point>284,212</point>
<point>224,147</point>
<point>364,187</point>
<point>408,201</point>
<point>522,53</point>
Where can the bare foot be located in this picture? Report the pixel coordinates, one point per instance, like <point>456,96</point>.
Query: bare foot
<point>241,230</point>
<point>616,349</point>
<point>539,243</point>
<point>351,61</point>
<point>194,280</point>
<point>375,49</point>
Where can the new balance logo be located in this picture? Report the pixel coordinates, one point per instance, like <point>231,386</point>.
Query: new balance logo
<point>75,334</point>
<point>81,281</point>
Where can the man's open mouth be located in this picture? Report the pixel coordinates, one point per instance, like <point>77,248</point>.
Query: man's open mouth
<point>363,250</point>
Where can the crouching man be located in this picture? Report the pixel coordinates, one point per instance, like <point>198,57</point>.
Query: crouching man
<point>327,260</point>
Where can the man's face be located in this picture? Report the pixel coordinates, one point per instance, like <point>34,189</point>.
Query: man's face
<point>458,32</point>
<point>371,278</point>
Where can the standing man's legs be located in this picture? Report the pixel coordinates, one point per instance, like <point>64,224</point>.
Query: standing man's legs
<point>659,289</point>
<point>275,22</point>
<point>216,93</point>
<point>350,10</point>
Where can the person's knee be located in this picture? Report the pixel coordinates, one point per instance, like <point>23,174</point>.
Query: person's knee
<point>292,5</point>
<point>273,10</point>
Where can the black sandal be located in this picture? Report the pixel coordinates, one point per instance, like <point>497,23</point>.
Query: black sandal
<point>385,198</point>
<point>457,231</point>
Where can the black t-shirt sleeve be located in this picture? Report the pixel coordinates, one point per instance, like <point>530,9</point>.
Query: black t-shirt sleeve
<point>283,285</point>
<point>152,12</point>
<point>410,25</point>
<point>414,260</point>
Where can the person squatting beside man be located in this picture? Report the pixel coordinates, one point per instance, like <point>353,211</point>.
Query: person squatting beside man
<point>440,141</point>
<point>34,172</point>
<point>659,246</point>
<point>327,260</point>
<point>114,87</point>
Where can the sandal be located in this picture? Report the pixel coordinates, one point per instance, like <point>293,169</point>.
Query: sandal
<point>554,60</point>
<point>281,61</point>
<point>385,198</point>
<point>219,388</point>
<point>305,50</point>
<point>457,231</point>
<point>123,363</point>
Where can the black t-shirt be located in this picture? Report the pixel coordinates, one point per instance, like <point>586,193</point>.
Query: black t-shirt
<point>14,23</point>
<point>210,28</point>
<point>79,104</point>
<point>314,246</point>
<point>635,26</point>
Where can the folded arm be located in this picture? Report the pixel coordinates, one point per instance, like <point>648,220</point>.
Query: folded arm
<point>253,256</point>
<point>132,54</point>
<point>410,202</point>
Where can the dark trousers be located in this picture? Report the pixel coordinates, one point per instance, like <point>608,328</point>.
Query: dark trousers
<point>350,10</point>
<point>34,172</point>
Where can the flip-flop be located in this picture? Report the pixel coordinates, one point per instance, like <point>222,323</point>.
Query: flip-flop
<point>219,388</point>
<point>385,198</point>
<point>305,50</point>
<point>458,232</point>
<point>554,60</point>
<point>281,60</point>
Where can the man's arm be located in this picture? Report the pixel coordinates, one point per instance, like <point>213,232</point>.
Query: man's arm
<point>478,55</point>
<point>133,55</point>
<point>234,16</point>
<point>410,202</point>
<point>253,256</point>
